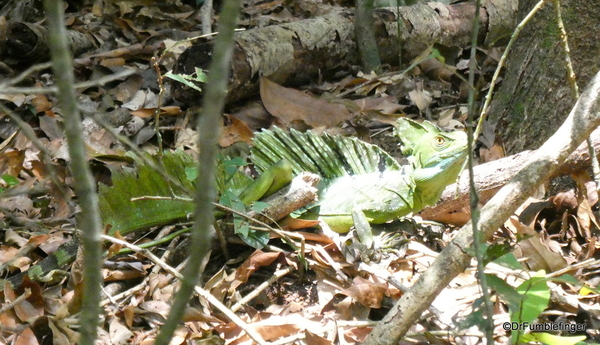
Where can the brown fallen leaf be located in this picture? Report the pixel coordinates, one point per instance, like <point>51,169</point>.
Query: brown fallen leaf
<point>11,162</point>
<point>537,250</point>
<point>149,112</point>
<point>368,293</point>
<point>236,131</point>
<point>255,261</point>
<point>254,115</point>
<point>41,103</point>
<point>292,105</point>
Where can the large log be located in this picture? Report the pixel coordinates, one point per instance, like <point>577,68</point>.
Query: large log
<point>300,52</point>
<point>25,42</point>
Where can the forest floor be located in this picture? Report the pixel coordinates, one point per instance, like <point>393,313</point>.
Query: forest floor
<point>313,294</point>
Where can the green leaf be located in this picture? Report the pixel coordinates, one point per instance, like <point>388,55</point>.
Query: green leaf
<point>259,206</point>
<point>225,199</point>
<point>236,162</point>
<point>537,295</point>
<point>509,260</point>
<point>506,292</point>
<point>567,278</point>
<point>191,173</point>
<point>10,180</point>
<point>475,318</point>
<point>238,206</point>
<point>256,239</point>
<point>551,339</point>
<point>241,227</point>
<point>184,79</point>
<point>200,75</point>
<point>232,166</point>
<point>501,253</point>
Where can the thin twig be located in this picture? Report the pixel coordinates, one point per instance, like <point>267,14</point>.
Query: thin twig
<point>254,293</point>
<point>77,86</point>
<point>85,187</point>
<point>25,74</point>
<point>200,291</point>
<point>488,324</point>
<point>141,286</point>
<point>209,124</point>
<point>8,306</point>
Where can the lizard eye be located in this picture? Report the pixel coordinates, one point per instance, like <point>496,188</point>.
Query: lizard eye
<point>440,141</point>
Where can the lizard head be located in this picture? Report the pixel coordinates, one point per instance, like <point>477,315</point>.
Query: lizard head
<point>437,157</point>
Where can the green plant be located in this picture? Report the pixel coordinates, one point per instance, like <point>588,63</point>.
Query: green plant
<point>189,79</point>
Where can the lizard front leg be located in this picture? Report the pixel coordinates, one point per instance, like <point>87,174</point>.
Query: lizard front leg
<point>364,244</point>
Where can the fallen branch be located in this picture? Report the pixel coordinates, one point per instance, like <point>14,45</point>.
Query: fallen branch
<point>299,193</point>
<point>296,53</point>
<point>454,259</point>
<point>26,41</point>
<point>492,176</point>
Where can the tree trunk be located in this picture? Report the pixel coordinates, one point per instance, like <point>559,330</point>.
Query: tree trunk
<point>535,96</point>
<point>302,52</point>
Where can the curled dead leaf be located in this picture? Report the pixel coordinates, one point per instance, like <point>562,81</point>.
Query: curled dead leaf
<point>292,105</point>
<point>236,131</point>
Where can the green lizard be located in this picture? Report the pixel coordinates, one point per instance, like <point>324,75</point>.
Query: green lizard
<point>359,180</point>
<point>358,177</point>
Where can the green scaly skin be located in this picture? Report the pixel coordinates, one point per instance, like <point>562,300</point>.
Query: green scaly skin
<point>357,183</point>
<point>437,158</point>
<point>362,192</point>
<point>265,185</point>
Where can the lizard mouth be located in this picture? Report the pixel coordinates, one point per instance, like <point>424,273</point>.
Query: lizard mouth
<point>446,159</point>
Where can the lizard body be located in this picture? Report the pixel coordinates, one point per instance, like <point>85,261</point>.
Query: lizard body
<point>361,177</point>
<point>358,178</point>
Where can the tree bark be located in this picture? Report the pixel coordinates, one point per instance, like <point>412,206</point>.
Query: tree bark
<point>364,30</point>
<point>29,42</point>
<point>304,51</point>
<point>535,95</point>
